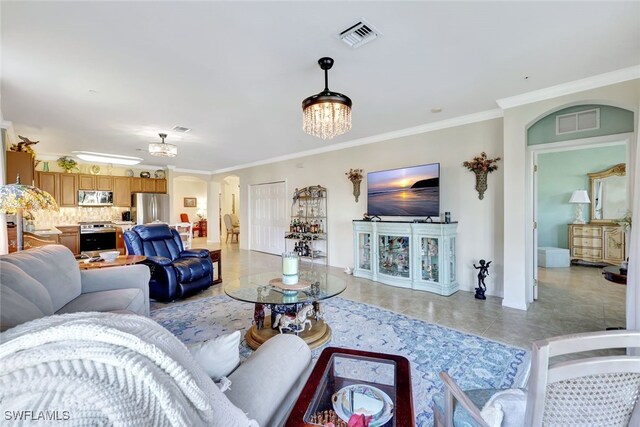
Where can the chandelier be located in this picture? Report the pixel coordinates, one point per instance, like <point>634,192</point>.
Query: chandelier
<point>327,114</point>
<point>163,149</point>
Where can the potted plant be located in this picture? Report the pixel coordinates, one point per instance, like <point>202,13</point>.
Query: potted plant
<point>67,163</point>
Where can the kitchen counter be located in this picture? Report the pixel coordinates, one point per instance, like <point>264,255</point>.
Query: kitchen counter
<point>46,231</point>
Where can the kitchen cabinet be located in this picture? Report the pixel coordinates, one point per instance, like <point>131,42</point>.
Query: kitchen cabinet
<point>20,162</point>
<point>104,183</point>
<point>49,182</point>
<point>136,185</point>
<point>68,196</point>
<point>86,182</point>
<point>148,185</point>
<point>70,237</point>
<point>95,182</point>
<point>122,191</point>
<point>161,186</point>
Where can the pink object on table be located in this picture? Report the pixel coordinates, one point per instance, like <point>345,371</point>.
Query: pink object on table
<point>359,420</point>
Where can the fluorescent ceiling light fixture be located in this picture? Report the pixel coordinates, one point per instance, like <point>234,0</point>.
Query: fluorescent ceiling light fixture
<point>107,158</point>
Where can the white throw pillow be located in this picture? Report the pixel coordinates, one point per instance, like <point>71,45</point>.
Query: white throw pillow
<point>218,356</point>
<point>506,408</point>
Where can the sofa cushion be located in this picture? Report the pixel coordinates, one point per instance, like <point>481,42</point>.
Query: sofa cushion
<point>113,300</point>
<point>218,356</point>
<point>53,266</point>
<point>22,298</point>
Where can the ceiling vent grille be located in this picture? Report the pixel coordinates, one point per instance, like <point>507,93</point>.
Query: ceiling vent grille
<point>181,129</point>
<point>359,34</point>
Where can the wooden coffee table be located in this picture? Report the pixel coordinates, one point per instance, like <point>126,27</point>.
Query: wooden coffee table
<point>120,261</point>
<point>343,369</point>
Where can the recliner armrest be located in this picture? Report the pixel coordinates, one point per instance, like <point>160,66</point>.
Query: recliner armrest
<point>158,260</point>
<point>194,253</point>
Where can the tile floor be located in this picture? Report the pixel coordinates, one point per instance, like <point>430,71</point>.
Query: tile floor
<point>575,299</point>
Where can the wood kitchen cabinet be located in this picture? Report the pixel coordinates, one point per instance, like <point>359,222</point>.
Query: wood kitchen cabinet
<point>70,238</point>
<point>122,191</point>
<point>86,182</point>
<point>104,183</point>
<point>49,182</point>
<point>136,185</point>
<point>161,186</point>
<point>148,185</point>
<point>20,162</point>
<point>68,196</point>
<point>95,182</point>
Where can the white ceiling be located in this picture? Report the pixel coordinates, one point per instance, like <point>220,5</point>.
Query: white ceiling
<point>236,72</point>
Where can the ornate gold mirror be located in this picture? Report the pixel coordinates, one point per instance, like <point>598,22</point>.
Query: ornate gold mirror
<point>608,194</point>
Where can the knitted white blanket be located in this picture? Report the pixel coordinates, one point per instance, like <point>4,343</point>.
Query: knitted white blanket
<point>106,369</point>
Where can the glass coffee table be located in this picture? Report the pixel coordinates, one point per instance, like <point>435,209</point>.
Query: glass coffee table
<point>345,382</point>
<point>290,312</point>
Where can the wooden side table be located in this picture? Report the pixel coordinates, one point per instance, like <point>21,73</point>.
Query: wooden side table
<point>216,257</point>
<point>120,261</point>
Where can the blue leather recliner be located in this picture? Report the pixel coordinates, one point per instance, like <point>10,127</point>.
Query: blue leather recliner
<point>175,272</point>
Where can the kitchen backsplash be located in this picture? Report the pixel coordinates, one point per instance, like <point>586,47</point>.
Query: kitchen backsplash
<point>67,216</point>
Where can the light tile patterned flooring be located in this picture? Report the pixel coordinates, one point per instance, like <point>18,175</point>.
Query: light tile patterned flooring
<point>575,299</point>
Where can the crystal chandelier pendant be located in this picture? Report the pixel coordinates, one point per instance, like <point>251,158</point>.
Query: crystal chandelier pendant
<point>163,149</point>
<point>327,114</point>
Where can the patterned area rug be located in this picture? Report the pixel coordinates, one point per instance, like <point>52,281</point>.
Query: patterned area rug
<point>474,362</point>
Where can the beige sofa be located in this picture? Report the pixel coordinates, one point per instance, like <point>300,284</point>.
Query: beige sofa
<point>44,281</point>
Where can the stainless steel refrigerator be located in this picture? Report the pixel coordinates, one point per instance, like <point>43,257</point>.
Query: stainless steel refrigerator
<point>148,208</point>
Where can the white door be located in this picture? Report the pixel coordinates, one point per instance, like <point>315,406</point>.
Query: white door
<point>268,217</point>
<point>535,225</point>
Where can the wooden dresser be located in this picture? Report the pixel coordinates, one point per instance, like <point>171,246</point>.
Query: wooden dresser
<point>597,243</point>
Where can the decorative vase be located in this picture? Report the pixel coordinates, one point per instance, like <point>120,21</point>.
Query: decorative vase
<point>481,183</point>
<point>356,188</point>
<point>45,167</point>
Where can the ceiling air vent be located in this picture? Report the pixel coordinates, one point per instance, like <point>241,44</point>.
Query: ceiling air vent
<point>359,34</point>
<point>180,129</point>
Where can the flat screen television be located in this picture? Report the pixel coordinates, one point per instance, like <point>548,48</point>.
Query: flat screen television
<point>412,191</point>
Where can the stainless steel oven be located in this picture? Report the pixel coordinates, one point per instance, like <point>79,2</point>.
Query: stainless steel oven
<point>97,237</point>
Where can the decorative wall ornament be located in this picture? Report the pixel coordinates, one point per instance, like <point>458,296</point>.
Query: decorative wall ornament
<point>481,165</point>
<point>355,176</point>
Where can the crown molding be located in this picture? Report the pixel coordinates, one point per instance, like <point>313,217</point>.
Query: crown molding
<point>195,171</point>
<point>428,127</point>
<point>606,79</point>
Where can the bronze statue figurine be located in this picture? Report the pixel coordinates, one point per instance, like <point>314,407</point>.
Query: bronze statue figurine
<point>482,274</point>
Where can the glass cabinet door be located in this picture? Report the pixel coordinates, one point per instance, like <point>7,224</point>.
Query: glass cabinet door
<point>364,251</point>
<point>429,254</point>
<point>452,260</point>
<point>394,258</point>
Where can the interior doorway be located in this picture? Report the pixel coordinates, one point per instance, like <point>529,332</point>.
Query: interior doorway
<point>560,169</point>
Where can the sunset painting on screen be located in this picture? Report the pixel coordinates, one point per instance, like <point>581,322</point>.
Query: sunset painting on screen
<point>413,191</point>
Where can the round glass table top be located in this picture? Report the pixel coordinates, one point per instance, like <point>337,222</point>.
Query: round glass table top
<point>255,288</point>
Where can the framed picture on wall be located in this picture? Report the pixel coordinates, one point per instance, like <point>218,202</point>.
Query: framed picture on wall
<point>190,202</point>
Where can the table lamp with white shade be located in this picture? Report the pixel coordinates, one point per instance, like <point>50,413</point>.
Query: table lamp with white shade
<point>579,197</point>
<point>14,198</point>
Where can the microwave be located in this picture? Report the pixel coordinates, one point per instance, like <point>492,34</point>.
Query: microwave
<point>95,198</point>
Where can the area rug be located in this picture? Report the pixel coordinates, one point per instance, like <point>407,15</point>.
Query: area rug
<point>474,362</point>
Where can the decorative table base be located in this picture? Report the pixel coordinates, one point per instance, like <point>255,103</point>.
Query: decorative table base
<point>319,334</point>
